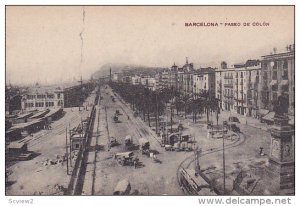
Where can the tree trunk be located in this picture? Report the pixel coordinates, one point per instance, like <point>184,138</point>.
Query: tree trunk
<point>207,115</point>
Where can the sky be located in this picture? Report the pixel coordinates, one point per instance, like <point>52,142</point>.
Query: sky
<point>43,43</point>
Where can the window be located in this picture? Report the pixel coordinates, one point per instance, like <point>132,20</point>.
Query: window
<point>285,88</point>
<point>285,74</point>
<point>285,64</point>
<point>274,96</point>
<point>274,87</point>
<point>275,65</point>
<point>265,77</point>
<point>274,75</point>
<point>76,146</point>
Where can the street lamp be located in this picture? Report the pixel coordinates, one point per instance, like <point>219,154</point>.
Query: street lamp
<point>225,125</point>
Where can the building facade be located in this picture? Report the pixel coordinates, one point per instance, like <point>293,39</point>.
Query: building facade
<point>40,98</point>
<point>278,78</point>
<point>149,82</point>
<point>188,84</point>
<point>204,80</point>
<point>237,88</point>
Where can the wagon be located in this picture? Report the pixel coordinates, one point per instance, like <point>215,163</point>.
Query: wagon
<point>169,147</point>
<point>124,158</point>
<point>144,145</point>
<point>122,188</point>
<point>128,140</point>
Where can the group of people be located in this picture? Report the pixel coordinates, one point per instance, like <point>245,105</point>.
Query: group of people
<point>47,127</point>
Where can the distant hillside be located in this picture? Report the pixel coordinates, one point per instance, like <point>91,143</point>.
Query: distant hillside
<point>119,67</point>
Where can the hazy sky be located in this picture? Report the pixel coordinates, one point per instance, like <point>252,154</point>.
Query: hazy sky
<point>43,43</point>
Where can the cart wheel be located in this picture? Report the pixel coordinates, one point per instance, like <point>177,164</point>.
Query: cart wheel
<point>120,162</point>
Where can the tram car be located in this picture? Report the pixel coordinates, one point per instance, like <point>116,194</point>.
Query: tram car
<point>193,184</point>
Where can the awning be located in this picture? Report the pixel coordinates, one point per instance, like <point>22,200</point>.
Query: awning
<point>284,82</point>
<point>263,112</point>
<point>16,145</point>
<point>273,82</point>
<point>186,133</point>
<point>269,116</point>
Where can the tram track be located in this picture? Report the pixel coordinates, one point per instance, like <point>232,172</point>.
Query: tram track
<point>190,159</point>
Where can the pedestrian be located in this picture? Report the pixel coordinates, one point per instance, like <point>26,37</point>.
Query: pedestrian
<point>135,164</point>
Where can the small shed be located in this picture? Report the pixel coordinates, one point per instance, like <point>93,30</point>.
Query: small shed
<point>22,118</point>
<point>16,148</point>
<point>186,136</point>
<point>77,141</point>
<point>263,112</point>
<point>173,138</point>
<point>269,118</point>
<point>39,114</point>
<point>53,114</point>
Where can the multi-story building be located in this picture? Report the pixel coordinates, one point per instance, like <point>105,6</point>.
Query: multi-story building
<point>188,70</point>
<point>173,77</point>
<point>278,78</point>
<point>158,80</point>
<point>39,98</point>
<point>117,77</point>
<point>127,79</point>
<point>204,80</point>
<point>149,82</point>
<point>135,80</point>
<point>237,87</point>
<point>179,78</point>
<point>164,82</point>
<point>246,87</point>
<point>225,87</point>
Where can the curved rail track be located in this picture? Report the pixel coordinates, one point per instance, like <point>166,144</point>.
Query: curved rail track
<point>190,159</point>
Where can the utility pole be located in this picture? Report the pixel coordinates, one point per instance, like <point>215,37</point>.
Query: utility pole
<point>171,118</point>
<point>156,115</point>
<point>166,127</point>
<point>224,181</point>
<point>197,154</point>
<point>70,144</point>
<point>80,81</point>
<point>67,151</point>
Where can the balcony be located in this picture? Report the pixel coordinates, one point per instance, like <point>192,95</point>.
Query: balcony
<point>228,96</point>
<point>228,85</point>
<point>228,77</point>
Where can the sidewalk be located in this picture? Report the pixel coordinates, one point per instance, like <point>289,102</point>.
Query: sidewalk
<point>250,121</point>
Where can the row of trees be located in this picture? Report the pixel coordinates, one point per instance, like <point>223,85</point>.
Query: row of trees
<point>148,102</point>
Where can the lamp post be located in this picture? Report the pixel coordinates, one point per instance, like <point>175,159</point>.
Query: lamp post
<point>224,129</point>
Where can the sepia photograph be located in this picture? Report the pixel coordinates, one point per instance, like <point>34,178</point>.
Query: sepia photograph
<point>104,100</point>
